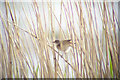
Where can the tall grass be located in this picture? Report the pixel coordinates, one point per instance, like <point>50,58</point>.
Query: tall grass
<point>28,30</point>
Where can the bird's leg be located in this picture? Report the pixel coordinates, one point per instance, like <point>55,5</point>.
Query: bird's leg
<point>58,55</point>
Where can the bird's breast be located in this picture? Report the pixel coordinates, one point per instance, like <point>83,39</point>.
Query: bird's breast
<point>62,47</point>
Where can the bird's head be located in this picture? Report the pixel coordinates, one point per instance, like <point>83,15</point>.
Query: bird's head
<point>56,41</point>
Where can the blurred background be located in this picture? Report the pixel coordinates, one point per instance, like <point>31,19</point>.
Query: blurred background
<point>27,30</point>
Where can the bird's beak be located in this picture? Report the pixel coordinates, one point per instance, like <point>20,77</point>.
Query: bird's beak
<point>53,42</point>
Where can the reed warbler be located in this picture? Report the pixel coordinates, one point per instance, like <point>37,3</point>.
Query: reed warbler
<point>63,45</point>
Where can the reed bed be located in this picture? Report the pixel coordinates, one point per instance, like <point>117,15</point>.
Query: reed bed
<point>27,31</point>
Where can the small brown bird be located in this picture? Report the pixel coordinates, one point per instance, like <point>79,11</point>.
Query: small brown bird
<point>63,45</point>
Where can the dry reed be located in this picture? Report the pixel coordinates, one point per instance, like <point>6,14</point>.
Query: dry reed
<point>26,45</point>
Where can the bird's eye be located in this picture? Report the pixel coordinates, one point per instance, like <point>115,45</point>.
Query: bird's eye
<point>56,41</point>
